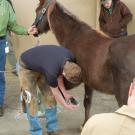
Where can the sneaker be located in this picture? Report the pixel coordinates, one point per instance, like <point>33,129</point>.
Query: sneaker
<point>53,133</point>
<point>1,111</point>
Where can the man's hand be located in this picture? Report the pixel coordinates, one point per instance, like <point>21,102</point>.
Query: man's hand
<point>131,95</point>
<point>32,30</point>
<point>63,101</point>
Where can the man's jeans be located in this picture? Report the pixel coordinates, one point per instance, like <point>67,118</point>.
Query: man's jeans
<point>2,68</point>
<point>29,81</point>
<point>50,120</point>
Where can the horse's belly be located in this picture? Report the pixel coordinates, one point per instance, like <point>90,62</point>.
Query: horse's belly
<point>103,85</point>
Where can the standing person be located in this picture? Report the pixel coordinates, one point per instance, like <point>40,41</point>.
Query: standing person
<point>121,122</point>
<point>8,23</point>
<point>11,54</point>
<point>114,18</point>
<point>47,66</point>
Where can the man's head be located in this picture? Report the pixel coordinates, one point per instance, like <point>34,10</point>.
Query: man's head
<point>72,72</point>
<point>107,3</point>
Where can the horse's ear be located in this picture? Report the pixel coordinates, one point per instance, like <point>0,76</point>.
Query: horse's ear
<point>41,2</point>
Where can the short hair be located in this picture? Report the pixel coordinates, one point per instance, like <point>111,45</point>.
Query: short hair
<point>72,72</point>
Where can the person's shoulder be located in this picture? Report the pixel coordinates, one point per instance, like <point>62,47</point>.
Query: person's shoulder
<point>98,122</point>
<point>6,2</point>
<point>122,4</point>
<point>103,120</point>
<point>102,117</point>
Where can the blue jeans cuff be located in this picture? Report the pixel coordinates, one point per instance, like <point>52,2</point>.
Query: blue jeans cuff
<point>51,119</point>
<point>35,127</point>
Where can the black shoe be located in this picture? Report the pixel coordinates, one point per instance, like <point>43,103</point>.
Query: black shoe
<point>53,133</point>
<point>1,111</point>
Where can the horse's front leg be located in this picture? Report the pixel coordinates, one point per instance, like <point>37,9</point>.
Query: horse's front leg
<point>121,83</point>
<point>121,90</point>
<point>87,102</point>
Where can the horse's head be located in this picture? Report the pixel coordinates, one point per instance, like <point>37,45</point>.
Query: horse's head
<point>42,15</point>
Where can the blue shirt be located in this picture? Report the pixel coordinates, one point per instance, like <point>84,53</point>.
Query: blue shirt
<point>47,59</point>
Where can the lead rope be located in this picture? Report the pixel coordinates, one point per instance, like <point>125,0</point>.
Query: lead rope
<point>38,41</point>
<point>7,71</point>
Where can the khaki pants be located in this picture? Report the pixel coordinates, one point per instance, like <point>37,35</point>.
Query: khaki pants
<point>31,81</point>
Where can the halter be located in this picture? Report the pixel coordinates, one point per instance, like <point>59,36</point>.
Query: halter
<point>43,11</point>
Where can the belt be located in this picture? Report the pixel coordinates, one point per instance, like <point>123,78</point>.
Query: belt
<point>2,37</point>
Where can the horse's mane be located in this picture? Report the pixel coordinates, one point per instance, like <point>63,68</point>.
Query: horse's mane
<point>67,12</point>
<point>74,18</point>
<point>69,16</point>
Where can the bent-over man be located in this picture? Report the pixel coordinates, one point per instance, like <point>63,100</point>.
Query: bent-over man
<point>47,66</point>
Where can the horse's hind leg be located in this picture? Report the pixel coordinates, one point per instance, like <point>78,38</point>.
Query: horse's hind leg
<point>28,84</point>
<point>87,102</point>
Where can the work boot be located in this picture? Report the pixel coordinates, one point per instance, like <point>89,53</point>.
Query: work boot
<point>53,133</point>
<point>1,111</point>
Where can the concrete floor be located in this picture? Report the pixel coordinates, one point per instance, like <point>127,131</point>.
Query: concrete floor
<point>69,121</point>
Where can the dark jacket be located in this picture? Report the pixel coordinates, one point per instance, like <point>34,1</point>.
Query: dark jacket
<point>115,24</point>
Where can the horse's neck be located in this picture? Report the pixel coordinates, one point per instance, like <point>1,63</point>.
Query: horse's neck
<point>64,25</point>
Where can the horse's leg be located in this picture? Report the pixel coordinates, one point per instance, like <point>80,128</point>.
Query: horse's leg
<point>124,85</point>
<point>121,85</point>
<point>28,80</point>
<point>117,91</point>
<point>28,83</point>
<point>121,92</point>
<point>87,102</point>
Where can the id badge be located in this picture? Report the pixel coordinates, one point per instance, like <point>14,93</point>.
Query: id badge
<point>6,49</point>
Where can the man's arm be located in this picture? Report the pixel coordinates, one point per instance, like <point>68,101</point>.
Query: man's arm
<point>18,29</point>
<point>59,98</point>
<point>126,15</point>
<point>63,97</point>
<point>62,87</point>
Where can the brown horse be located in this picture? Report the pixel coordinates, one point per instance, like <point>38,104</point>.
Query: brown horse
<point>108,65</point>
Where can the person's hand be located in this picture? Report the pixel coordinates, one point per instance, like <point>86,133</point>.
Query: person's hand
<point>63,100</point>
<point>11,33</point>
<point>32,30</point>
<point>131,95</point>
